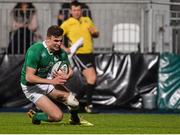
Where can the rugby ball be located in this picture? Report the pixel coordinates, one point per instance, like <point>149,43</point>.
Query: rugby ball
<point>60,65</point>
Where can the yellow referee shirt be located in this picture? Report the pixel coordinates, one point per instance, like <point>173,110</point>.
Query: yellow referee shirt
<point>74,29</point>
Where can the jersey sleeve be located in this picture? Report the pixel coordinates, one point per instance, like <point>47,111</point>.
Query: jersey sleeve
<point>64,27</point>
<point>32,59</point>
<point>91,24</point>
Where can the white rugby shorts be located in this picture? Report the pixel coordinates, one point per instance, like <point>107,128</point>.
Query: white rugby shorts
<point>33,93</point>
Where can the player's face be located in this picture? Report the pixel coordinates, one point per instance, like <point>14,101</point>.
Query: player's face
<point>55,43</point>
<point>76,12</point>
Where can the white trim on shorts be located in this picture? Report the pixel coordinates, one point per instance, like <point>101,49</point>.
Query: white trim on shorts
<point>79,63</point>
<point>33,93</point>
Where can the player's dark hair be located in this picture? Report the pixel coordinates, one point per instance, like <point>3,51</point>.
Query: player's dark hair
<point>75,3</point>
<point>55,31</point>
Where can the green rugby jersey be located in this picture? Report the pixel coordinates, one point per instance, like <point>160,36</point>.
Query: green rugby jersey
<point>38,57</point>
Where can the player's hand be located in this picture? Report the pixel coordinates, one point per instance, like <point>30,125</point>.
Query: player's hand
<point>58,80</point>
<point>93,32</point>
<point>62,74</point>
<point>55,74</point>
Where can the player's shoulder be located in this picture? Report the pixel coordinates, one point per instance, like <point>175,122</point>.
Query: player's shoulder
<point>85,19</point>
<point>65,24</point>
<point>63,53</point>
<point>37,46</point>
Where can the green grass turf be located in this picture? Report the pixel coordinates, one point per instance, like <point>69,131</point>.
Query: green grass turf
<point>18,123</point>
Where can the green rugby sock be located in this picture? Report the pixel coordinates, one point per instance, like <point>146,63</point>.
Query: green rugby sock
<point>41,116</point>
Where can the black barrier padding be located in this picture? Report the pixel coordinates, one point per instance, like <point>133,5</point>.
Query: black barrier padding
<point>121,79</point>
<point>10,89</point>
<point>126,76</point>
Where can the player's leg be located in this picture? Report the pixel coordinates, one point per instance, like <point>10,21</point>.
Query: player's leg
<point>85,63</point>
<point>90,76</point>
<point>36,94</point>
<point>69,100</point>
<point>62,94</point>
<point>65,96</point>
<point>51,112</point>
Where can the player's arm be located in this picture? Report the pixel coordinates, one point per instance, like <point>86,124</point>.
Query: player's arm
<point>32,78</point>
<point>94,32</point>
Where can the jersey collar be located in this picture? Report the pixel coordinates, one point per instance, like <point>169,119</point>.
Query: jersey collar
<point>44,44</point>
<point>79,20</point>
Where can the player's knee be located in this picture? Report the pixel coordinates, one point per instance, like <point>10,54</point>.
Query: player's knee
<point>91,80</point>
<point>57,117</point>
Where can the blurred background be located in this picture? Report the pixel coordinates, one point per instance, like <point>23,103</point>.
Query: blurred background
<point>137,53</point>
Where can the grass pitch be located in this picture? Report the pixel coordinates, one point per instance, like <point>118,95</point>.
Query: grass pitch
<point>19,123</point>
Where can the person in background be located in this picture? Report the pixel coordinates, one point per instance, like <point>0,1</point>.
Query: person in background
<point>37,83</point>
<point>76,27</point>
<point>64,14</point>
<point>24,28</point>
<point>24,15</point>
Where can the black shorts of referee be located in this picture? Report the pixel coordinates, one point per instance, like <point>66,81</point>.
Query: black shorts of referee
<point>84,61</point>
